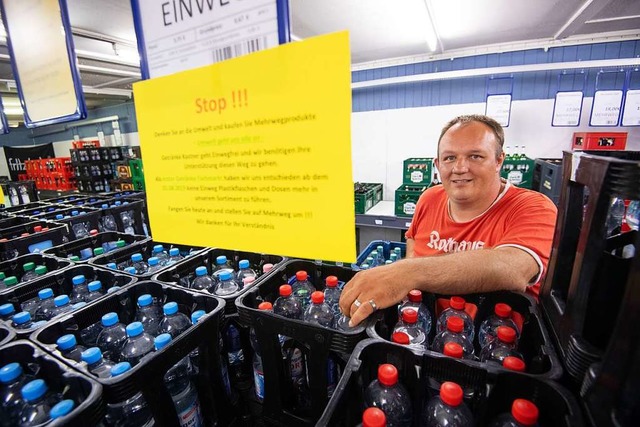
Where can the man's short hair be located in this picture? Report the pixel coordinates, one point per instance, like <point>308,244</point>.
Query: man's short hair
<point>494,126</point>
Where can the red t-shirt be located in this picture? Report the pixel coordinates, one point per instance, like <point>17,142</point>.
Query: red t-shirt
<point>519,218</point>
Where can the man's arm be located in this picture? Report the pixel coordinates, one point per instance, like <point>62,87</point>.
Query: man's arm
<point>483,270</point>
<point>409,251</point>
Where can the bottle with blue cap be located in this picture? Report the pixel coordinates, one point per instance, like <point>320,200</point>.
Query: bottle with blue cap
<point>69,347</point>
<point>22,321</point>
<point>131,270</point>
<point>161,254</point>
<point>12,379</point>
<point>183,393</point>
<point>154,264</point>
<point>7,311</point>
<point>202,281</point>
<point>194,356</point>
<point>85,253</point>
<point>222,265</point>
<point>113,289</point>
<point>59,216</point>
<point>97,364</point>
<point>132,412</point>
<point>112,337</point>
<point>89,335</point>
<point>173,323</point>
<point>38,403</point>
<point>80,289</point>
<point>107,222</point>
<point>226,285</point>
<point>95,291</point>
<point>46,305</point>
<point>112,266</point>
<point>244,271</point>
<point>148,314</point>
<point>128,222</point>
<point>138,263</point>
<point>29,269</point>
<point>138,344</point>
<point>174,256</point>
<point>62,409</point>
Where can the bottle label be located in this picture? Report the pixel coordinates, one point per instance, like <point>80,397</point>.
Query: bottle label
<point>235,353</point>
<point>416,176</point>
<point>515,177</point>
<point>258,379</point>
<point>296,364</point>
<point>409,208</point>
<point>191,417</point>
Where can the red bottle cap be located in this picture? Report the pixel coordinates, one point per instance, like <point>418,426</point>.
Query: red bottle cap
<point>301,276</point>
<point>45,228</point>
<point>455,324</point>
<point>400,338</point>
<point>248,280</point>
<point>457,303</point>
<point>37,228</point>
<point>317,297</point>
<point>285,290</point>
<point>502,310</point>
<point>374,417</point>
<point>4,239</point>
<point>451,393</point>
<point>24,234</point>
<point>453,349</point>
<point>525,412</point>
<point>409,315</point>
<point>514,363</point>
<point>387,374</point>
<point>266,306</point>
<point>415,296</point>
<point>506,334</point>
<point>331,281</point>
<point>93,232</point>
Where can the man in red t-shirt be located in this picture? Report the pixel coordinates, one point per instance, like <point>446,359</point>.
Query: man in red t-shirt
<point>474,233</point>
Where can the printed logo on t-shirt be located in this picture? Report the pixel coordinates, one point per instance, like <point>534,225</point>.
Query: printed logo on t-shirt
<point>451,244</point>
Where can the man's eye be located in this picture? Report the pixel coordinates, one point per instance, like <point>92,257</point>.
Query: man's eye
<point>449,159</point>
<point>476,156</point>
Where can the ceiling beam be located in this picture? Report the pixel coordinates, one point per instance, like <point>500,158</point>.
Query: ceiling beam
<point>585,12</point>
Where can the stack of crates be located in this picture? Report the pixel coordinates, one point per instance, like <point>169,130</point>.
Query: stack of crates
<point>518,170</point>
<point>95,167</point>
<point>51,174</point>
<point>137,174</point>
<point>417,175</point>
<point>366,195</point>
<point>547,178</point>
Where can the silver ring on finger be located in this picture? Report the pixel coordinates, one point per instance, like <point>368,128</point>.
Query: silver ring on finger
<point>357,303</point>
<point>373,305</point>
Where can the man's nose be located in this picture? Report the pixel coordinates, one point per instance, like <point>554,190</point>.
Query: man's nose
<point>460,166</point>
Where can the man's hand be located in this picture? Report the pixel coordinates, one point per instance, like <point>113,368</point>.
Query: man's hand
<point>385,285</point>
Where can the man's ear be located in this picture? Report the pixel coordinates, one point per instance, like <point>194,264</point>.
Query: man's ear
<point>436,162</point>
<point>500,161</point>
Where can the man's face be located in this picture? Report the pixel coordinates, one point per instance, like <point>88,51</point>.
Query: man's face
<point>468,165</point>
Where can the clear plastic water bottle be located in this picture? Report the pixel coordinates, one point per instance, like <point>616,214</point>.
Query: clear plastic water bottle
<point>414,301</point>
<point>267,267</point>
<point>393,257</point>
<point>31,305</point>
<point>221,265</point>
<point>297,370</point>
<point>174,256</point>
<point>12,379</point>
<point>154,264</point>
<point>160,254</point>
<point>453,333</point>
<point>202,281</point>
<point>524,413</point>
<point>61,409</point>
<point>370,261</point>
<point>10,282</point>
<point>138,344</point>
<point>318,312</point>
<point>95,291</point>
<point>61,305</point>
<point>112,266</point>
<point>148,314</point>
<point>38,403</point>
<point>29,272</point>
<point>226,285</point>
<point>633,214</point>
<point>615,215</point>
<point>97,364</point>
<point>453,349</point>
<point>302,288</point>
<point>113,289</point>
<point>373,417</point>
<point>128,222</point>
<point>248,281</point>
<point>244,271</point>
<point>132,412</point>
<point>89,335</point>
<point>173,323</point>
<point>400,338</point>
<point>456,308</point>
<point>194,356</point>
<point>286,305</point>
<point>112,337</point>
<point>69,347</point>
<point>501,317</point>
<point>108,222</point>
<point>364,266</point>
<point>514,364</point>
<point>80,289</point>
<point>22,321</point>
<point>410,326</point>
<point>80,229</point>
<point>332,295</point>
<point>258,370</point>
<point>138,263</point>
<point>504,345</point>
<point>387,394</point>
<point>398,252</point>
<point>447,409</point>
<point>235,354</point>
<point>7,311</point>
<point>131,270</point>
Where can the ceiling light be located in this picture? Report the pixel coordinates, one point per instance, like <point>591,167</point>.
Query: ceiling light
<point>429,28</point>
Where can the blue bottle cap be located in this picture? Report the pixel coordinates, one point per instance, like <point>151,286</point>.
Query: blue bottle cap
<point>104,206</point>
<point>34,390</point>
<point>196,315</point>
<point>153,261</point>
<point>201,271</point>
<point>59,216</point>
<point>118,203</point>
<point>136,257</point>
<point>6,309</point>
<point>61,409</point>
<point>65,342</point>
<point>79,305</point>
<point>120,368</point>
<point>134,329</point>
<point>10,372</point>
<point>74,213</point>
<point>112,265</point>
<point>45,293</point>
<point>78,280</point>
<point>130,270</point>
<point>161,341</point>
<point>144,300</point>
<point>94,286</point>
<point>158,249</point>
<point>225,275</point>
<point>110,319</point>
<point>22,318</point>
<point>91,355</point>
<point>174,252</point>
<point>61,300</point>
<point>113,289</point>
<point>170,308</point>
<point>221,259</point>
<point>244,263</point>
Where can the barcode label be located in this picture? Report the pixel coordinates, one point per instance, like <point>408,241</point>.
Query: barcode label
<point>238,49</point>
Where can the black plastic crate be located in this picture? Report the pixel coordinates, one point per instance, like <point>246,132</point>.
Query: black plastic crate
<point>74,247</point>
<point>37,210</point>
<point>88,201</point>
<point>388,247</point>
<point>488,393</point>
<point>6,335</point>
<point>52,235</point>
<point>534,342</point>
<point>550,178</point>
<point>147,376</point>
<point>13,267</point>
<point>183,273</point>
<point>144,247</point>
<point>93,184</point>
<point>13,221</point>
<point>88,216</point>
<point>85,392</point>
<point>32,205</point>
<point>120,208</point>
<point>68,200</point>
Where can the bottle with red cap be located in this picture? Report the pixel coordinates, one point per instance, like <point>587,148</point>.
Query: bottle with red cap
<point>410,326</point>
<point>453,334</point>
<point>514,364</point>
<point>524,413</point>
<point>332,295</point>
<point>318,312</point>
<point>302,288</point>
<point>414,301</point>
<point>447,408</point>
<point>456,308</point>
<point>373,417</point>
<point>387,394</point>
<point>504,345</point>
<point>287,305</point>
<point>501,317</point>
<point>258,371</point>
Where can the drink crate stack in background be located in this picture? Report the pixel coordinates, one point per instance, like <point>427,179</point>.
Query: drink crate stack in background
<point>547,178</point>
<point>95,167</point>
<point>417,175</point>
<point>518,169</point>
<point>609,141</point>
<point>366,195</point>
<point>15,266</point>
<point>387,248</point>
<point>19,193</point>
<point>84,248</point>
<point>51,174</point>
<point>30,237</point>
